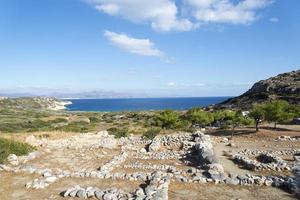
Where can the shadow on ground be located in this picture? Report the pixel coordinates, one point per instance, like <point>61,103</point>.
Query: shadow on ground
<point>229,132</point>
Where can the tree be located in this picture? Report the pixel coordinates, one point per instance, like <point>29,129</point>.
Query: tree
<point>277,111</point>
<point>239,120</point>
<point>199,116</point>
<point>258,114</point>
<point>167,119</point>
<point>224,117</point>
<point>294,111</point>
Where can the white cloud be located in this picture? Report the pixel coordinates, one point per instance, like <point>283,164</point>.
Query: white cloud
<point>142,47</point>
<point>161,14</point>
<point>186,85</point>
<point>111,9</point>
<point>171,84</point>
<point>274,20</point>
<point>226,11</point>
<point>185,15</point>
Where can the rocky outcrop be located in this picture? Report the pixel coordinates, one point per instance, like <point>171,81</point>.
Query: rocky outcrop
<point>50,103</point>
<point>281,87</point>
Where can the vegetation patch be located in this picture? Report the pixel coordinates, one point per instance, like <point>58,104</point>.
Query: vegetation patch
<point>118,132</point>
<point>13,147</point>
<point>152,133</point>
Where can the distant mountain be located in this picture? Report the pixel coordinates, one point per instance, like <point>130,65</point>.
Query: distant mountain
<point>70,95</point>
<point>98,94</point>
<point>284,86</point>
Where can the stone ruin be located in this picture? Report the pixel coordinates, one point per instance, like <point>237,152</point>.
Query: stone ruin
<point>156,189</point>
<point>264,161</point>
<point>195,149</point>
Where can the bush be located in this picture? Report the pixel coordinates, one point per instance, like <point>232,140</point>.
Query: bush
<point>167,119</point>
<point>223,115</point>
<point>151,133</point>
<point>26,126</point>
<point>183,125</point>
<point>199,117</point>
<point>12,147</point>
<point>118,132</point>
<point>94,119</point>
<point>58,120</point>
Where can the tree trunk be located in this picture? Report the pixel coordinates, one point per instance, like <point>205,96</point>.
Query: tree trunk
<point>232,132</point>
<point>275,124</point>
<point>256,125</point>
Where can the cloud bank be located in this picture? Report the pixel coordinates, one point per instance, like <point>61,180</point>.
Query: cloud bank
<point>129,44</point>
<point>182,15</point>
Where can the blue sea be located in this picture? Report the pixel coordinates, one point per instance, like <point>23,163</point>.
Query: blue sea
<point>140,104</point>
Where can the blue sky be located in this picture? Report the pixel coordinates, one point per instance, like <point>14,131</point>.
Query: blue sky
<point>146,47</point>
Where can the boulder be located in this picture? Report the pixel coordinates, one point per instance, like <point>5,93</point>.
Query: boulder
<point>13,159</point>
<point>51,179</point>
<point>108,142</point>
<point>99,194</point>
<point>297,157</point>
<point>110,196</point>
<point>81,194</point>
<point>154,146</point>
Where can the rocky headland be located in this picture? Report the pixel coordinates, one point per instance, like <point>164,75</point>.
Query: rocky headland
<point>284,86</point>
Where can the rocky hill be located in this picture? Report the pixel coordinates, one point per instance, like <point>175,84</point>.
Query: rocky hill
<point>40,103</point>
<point>284,86</point>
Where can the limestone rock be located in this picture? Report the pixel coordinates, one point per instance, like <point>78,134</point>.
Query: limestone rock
<point>13,159</point>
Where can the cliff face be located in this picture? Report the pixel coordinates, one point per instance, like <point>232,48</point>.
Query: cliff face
<point>284,86</point>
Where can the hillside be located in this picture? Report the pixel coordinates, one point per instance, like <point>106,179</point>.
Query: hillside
<point>284,86</point>
<point>28,103</point>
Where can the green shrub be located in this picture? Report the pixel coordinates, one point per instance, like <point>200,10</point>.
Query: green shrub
<point>94,119</point>
<point>183,124</point>
<point>151,133</point>
<point>118,132</point>
<point>58,120</point>
<point>199,116</point>
<point>78,127</point>
<point>223,115</point>
<point>12,147</point>
<point>167,119</point>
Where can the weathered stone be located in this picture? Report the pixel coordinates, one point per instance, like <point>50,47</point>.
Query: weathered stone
<point>110,196</point>
<point>13,159</point>
<point>81,194</point>
<point>73,193</point>
<point>99,194</point>
<point>51,179</point>
<point>154,146</point>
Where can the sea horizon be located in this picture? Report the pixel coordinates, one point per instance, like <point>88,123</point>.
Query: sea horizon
<point>142,104</point>
<point>163,97</point>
